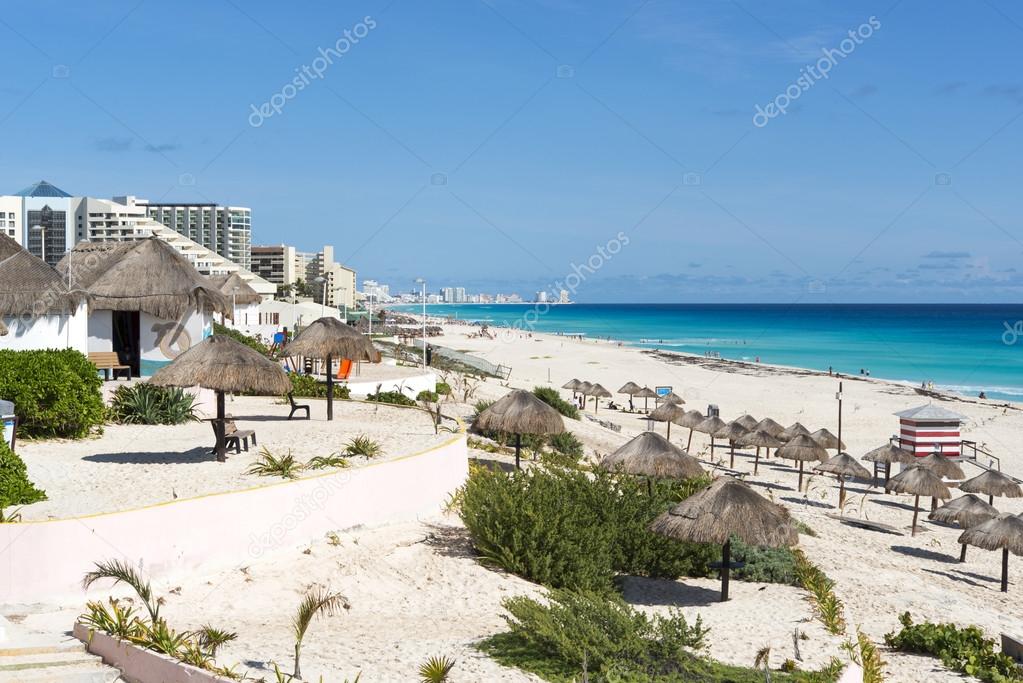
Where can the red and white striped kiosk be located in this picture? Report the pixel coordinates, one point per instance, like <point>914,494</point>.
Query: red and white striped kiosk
<point>930,429</point>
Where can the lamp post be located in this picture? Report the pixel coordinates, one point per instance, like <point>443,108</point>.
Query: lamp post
<point>344,300</point>
<point>422,282</point>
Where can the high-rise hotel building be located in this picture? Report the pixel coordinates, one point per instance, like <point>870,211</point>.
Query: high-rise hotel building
<point>225,230</point>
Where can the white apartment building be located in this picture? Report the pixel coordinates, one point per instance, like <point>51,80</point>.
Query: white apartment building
<point>329,282</point>
<point>225,230</point>
<point>11,218</point>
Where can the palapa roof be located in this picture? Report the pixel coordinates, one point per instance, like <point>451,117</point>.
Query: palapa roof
<point>918,481</point>
<point>710,425</point>
<point>3,329</point>
<point>747,421</point>
<point>942,466</point>
<point>793,430</point>
<point>732,431</point>
<point>146,275</point>
<point>889,454</point>
<point>690,419</point>
<point>760,438</point>
<point>30,286</point>
<point>330,337</point>
<point>845,465</point>
<point>968,511</point>
<point>930,412</point>
<point>651,455</point>
<point>993,483</point>
<point>598,390</point>
<point>583,387</point>
<point>827,439</point>
<point>520,412</point>
<point>667,412</point>
<point>629,388</point>
<point>672,397</point>
<point>645,392</point>
<point>232,285</point>
<point>770,426</point>
<point>572,384</point>
<point>726,508</point>
<point>1004,531</point>
<point>223,364</point>
<point>802,448</point>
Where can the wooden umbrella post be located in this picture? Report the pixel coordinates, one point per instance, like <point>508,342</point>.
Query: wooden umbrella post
<point>800,489</point>
<point>916,511</point>
<point>330,390</point>
<point>756,461</point>
<point>962,554</point>
<point>669,430</point>
<point>726,565</point>
<point>518,448</point>
<point>841,493</point>
<point>689,443</point>
<point>221,447</point>
<point>731,454</point>
<point>1005,570</point>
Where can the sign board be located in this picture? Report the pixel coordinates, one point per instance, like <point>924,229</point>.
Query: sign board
<point>279,338</point>
<point>8,421</point>
<point>662,391</point>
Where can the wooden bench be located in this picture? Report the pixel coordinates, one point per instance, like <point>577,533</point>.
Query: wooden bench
<point>108,362</point>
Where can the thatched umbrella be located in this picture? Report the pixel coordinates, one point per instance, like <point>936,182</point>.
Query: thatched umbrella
<point>968,511</point>
<point>747,421</point>
<point>760,439</point>
<point>733,431</point>
<point>629,389</point>
<point>1004,533</point>
<point>223,365</point>
<point>597,392</point>
<point>827,440</point>
<point>646,393</point>
<point>843,465</point>
<point>651,455</point>
<point>886,455</point>
<point>667,412</point>
<point>690,420</point>
<point>802,448</point>
<point>672,397</point>
<point>584,387</point>
<point>770,426</point>
<point>3,329</point>
<point>918,481</point>
<point>944,467</point>
<point>573,385</point>
<point>329,338</point>
<point>993,483</point>
<point>726,508</point>
<point>710,426</point>
<point>792,431</point>
<point>520,412</point>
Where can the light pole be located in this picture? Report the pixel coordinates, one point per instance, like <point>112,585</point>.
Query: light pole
<point>422,282</point>
<point>344,300</point>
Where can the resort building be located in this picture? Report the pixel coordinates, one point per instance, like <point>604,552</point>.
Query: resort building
<point>326,281</point>
<point>47,220</point>
<point>243,298</point>
<point>145,300</point>
<point>278,264</point>
<point>11,218</point>
<point>224,230</point>
<point>37,309</point>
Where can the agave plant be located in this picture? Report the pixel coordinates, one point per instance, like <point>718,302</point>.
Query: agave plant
<point>322,462</point>
<point>145,403</point>
<point>436,669</point>
<point>363,445</point>
<point>269,465</point>
<point>315,602</point>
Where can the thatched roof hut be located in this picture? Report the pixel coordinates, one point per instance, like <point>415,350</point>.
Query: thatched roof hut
<point>1004,533</point>
<point>235,289</point>
<point>519,412</point>
<point>651,455</point>
<point>993,483</point>
<point>918,481</point>
<point>726,508</point>
<point>29,286</point>
<point>146,275</point>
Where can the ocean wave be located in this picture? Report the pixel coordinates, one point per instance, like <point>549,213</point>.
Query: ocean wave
<point>973,390</point>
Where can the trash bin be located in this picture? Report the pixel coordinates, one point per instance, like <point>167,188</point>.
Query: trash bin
<point>9,421</point>
<point>713,410</point>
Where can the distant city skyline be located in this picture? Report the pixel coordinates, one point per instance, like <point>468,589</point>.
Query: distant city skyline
<point>748,151</point>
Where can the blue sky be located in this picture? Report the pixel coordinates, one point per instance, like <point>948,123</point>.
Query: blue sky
<point>495,144</point>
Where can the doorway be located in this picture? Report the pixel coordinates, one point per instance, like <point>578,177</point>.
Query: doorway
<point>126,338</point>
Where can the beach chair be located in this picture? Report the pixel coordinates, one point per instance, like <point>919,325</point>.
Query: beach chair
<point>295,407</point>
<point>345,369</point>
<point>238,437</point>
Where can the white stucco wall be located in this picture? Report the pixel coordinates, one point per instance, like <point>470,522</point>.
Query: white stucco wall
<point>101,331</point>
<point>161,341</point>
<point>47,332</point>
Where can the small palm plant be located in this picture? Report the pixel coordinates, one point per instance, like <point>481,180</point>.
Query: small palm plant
<point>315,602</point>
<point>269,465</point>
<point>363,445</point>
<point>122,572</point>
<point>436,669</point>
<point>763,661</point>
<point>322,462</point>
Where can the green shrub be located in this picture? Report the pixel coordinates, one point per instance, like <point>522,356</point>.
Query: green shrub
<point>443,388</point>
<point>764,565</point>
<point>56,393</point>
<point>567,528</point>
<point>827,607</point>
<point>394,397</point>
<point>15,487</point>
<point>270,465</point>
<point>552,398</point>
<point>363,445</point>
<point>307,386</point>
<point>253,343</point>
<point>426,396</point>
<point>322,462</point>
<point>566,443</point>
<point>148,404</point>
<point>965,650</point>
<point>480,406</point>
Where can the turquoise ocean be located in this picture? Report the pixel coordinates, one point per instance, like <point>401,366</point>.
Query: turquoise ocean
<point>961,348</point>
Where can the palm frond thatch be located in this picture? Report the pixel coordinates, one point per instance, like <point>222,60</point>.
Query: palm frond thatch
<point>583,387</point>
<point>760,439</point>
<point>733,431</point>
<point>710,425</point>
<point>802,448</point>
<point>747,421</point>
<point>3,329</point>
<point>993,483</point>
<point>826,439</point>
<point>672,397</point>
<point>998,533</point>
<point>667,412</point>
<point>650,454</point>
<point>223,364</point>
<point>520,412</point>
<point>792,431</point>
<point>889,454</point>
<point>571,385</point>
<point>30,286</point>
<point>918,481</point>
<point>770,426</point>
<point>629,388</point>
<point>726,508</point>
<point>942,466</point>
<point>844,465</point>
<point>598,391</point>
<point>645,392</point>
<point>968,511</point>
<point>331,337</point>
<point>235,289</point>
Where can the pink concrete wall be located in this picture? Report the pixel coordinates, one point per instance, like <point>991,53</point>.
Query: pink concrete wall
<point>138,664</point>
<point>45,561</point>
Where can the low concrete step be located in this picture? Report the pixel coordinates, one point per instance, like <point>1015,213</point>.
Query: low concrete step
<point>55,664</point>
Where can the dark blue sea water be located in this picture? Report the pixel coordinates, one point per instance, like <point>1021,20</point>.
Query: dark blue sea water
<point>961,348</point>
